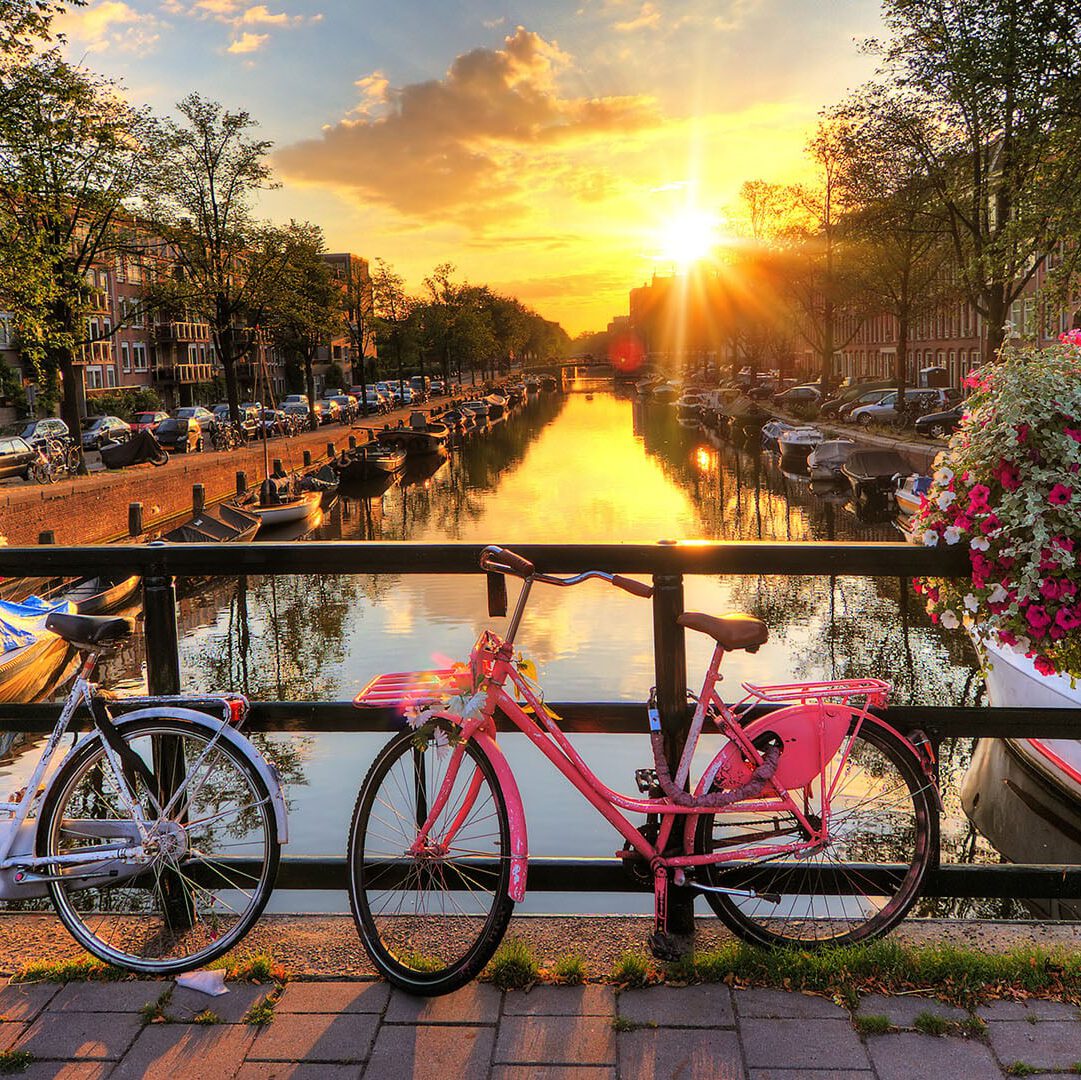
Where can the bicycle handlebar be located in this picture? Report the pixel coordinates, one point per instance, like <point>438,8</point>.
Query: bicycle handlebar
<point>499,560</point>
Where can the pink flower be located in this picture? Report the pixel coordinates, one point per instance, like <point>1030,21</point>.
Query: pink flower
<point>1008,475</point>
<point>1049,589</point>
<point>1060,494</point>
<point>1072,433</point>
<point>989,524</point>
<point>1067,619</point>
<point>977,497</point>
<point>1007,637</point>
<point>1022,432</point>
<point>1043,665</point>
<point>1037,617</point>
<point>1064,542</point>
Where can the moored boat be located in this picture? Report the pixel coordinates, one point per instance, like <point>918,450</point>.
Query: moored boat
<point>796,444</point>
<point>910,492</point>
<point>32,658</point>
<point>826,459</point>
<point>225,523</point>
<point>416,439</point>
<point>285,512</point>
<point>367,462</point>
<point>101,594</point>
<point>871,473</point>
<point>497,405</point>
<point>665,392</point>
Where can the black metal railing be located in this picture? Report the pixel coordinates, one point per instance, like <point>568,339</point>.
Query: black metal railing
<point>667,564</point>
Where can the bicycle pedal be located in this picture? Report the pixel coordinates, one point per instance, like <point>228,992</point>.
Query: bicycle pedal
<point>646,779</point>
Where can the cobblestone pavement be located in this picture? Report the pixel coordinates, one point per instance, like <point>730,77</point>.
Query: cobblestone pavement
<point>332,1030</point>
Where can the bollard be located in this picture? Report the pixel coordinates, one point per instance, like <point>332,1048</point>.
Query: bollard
<point>47,536</point>
<point>331,452</point>
<point>278,469</point>
<point>307,458</point>
<point>135,519</point>
<point>670,660</point>
<point>198,499</point>
<point>241,482</point>
<point>352,442</point>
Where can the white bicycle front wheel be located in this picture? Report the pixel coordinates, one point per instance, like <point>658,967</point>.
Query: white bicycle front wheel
<point>206,870</point>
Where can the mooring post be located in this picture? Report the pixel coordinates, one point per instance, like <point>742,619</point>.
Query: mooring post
<point>352,442</point>
<point>279,469</point>
<point>307,459</point>
<point>241,482</point>
<point>331,452</point>
<point>135,519</point>
<point>670,665</point>
<point>198,499</point>
<point>46,536</point>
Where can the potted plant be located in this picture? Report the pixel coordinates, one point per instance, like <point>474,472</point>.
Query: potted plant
<point>1009,488</point>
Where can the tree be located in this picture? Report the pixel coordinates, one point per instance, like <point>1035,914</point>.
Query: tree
<point>227,263</point>
<point>73,158</point>
<point>359,320</point>
<point>394,310</point>
<point>306,308</point>
<point>26,24</point>
<point>991,90</point>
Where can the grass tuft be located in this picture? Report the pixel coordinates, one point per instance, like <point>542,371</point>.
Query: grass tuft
<point>65,971</point>
<point>621,1023</point>
<point>872,1024</point>
<point>633,971</point>
<point>930,1023</point>
<point>207,1016</point>
<point>261,1013</point>
<point>569,969</point>
<point>254,968</point>
<point>973,1027</point>
<point>154,1011</point>
<point>13,1061</point>
<point>514,966</point>
<point>1021,1068</point>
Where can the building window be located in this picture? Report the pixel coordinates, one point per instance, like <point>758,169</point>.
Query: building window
<point>125,358</point>
<point>93,378</point>
<point>138,352</point>
<point>110,376</point>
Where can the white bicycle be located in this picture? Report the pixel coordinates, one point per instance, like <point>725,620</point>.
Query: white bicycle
<point>158,836</point>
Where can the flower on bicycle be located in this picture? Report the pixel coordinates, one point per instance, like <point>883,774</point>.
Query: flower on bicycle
<point>1018,517</point>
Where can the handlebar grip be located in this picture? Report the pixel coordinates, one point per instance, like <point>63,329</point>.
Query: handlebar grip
<point>503,560</point>
<point>627,584</point>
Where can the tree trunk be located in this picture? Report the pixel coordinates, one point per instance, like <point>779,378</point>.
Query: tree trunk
<point>309,383</point>
<point>900,365</point>
<point>71,404</point>
<point>995,322</point>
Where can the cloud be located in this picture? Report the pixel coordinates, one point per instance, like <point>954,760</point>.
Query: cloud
<point>472,146</point>
<point>110,25</point>
<point>262,15</point>
<point>248,43</point>
<point>648,18</point>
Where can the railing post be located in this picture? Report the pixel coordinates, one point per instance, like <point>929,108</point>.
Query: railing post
<point>135,519</point>
<point>670,662</point>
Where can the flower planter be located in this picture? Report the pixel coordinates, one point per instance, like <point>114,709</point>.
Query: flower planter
<point>1012,679</point>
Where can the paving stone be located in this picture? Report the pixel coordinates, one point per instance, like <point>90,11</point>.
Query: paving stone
<point>9,1033</point>
<point>336,997</point>
<point>191,1051</point>
<point>427,1052</point>
<point>118,997</point>
<point>315,1037</point>
<point>669,1054</point>
<point>553,1072</point>
<point>913,1056</point>
<point>1028,1010</point>
<point>783,1004</point>
<point>794,1044</point>
<point>297,1070</point>
<point>231,1008</point>
<point>809,1074</point>
<point>556,1040</point>
<point>23,1001</point>
<point>66,1070</point>
<point>1049,1044</point>
<point>903,1010</point>
<point>690,1006</point>
<point>587,1000</point>
<point>477,1003</point>
<point>82,1036</point>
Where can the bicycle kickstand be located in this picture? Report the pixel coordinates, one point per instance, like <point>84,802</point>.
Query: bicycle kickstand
<point>663,944</point>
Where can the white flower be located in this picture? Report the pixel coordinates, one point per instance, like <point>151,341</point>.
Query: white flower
<point>979,543</point>
<point>952,535</point>
<point>930,538</point>
<point>943,476</point>
<point>971,602</point>
<point>1022,645</point>
<point>944,500</point>
<point>949,620</point>
<point>442,743</point>
<point>998,594</point>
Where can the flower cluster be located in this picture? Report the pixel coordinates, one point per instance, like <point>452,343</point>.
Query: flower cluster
<point>1009,488</point>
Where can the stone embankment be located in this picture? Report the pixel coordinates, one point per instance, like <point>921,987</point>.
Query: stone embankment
<point>94,509</point>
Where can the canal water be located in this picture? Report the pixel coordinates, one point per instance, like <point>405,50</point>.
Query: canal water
<point>581,467</point>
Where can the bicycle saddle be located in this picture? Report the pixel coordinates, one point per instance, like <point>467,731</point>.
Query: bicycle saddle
<point>729,631</point>
<point>89,629</point>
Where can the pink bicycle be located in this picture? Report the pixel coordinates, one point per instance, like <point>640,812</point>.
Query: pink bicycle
<point>812,824</point>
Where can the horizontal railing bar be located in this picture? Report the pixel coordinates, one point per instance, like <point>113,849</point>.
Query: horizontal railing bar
<point>403,557</point>
<point>594,717</point>
<point>1009,881</point>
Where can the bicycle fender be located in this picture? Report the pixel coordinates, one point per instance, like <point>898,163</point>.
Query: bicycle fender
<point>519,842</point>
<point>240,742</point>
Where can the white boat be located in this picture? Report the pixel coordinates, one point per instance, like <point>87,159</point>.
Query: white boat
<point>770,430</point>
<point>826,459</point>
<point>497,405</point>
<point>287,511</point>
<point>477,408</point>
<point>1024,795</point>
<point>906,526</point>
<point>796,444</point>
<point>910,492</point>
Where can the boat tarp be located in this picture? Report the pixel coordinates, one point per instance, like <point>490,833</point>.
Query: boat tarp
<point>22,624</point>
<point>874,464</point>
<point>140,448</point>
<point>833,452</point>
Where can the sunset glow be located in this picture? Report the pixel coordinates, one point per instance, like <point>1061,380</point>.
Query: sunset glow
<point>690,236</point>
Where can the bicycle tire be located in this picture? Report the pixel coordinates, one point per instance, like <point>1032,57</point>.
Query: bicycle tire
<point>191,946</point>
<point>810,920</point>
<point>421,950</point>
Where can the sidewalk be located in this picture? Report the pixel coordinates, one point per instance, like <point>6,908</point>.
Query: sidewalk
<point>364,1029</point>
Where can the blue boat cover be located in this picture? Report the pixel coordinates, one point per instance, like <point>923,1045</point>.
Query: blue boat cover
<point>22,624</point>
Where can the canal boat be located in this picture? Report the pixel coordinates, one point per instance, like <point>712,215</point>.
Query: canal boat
<point>871,473</point>
<point>368,462</point>
<point>102,594</point>
<point>906,526</point>
<point>497,405</point>
<point>795,444</point>
<point>291,509</point>
<point>225,523</point>
<point>665,392</point>
<point>32,658</point>
<point>689,407</point>
<point>1024,795</point>
<point>549,383</point>
<point>910,492</point>
<point>532,385</point>
<point>476,408</point>
<point>422,436</point>
<point>826,459</point>
<point>771,430</point>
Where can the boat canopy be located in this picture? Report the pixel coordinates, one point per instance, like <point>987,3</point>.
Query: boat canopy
<point>874,464</point>
<point>22,624</point>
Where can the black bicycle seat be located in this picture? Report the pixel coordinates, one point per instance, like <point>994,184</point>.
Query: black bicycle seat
<point>89,629</point>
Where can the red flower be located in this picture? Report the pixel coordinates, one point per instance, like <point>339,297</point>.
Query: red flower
<point>1072,433</point>
<point>989,524</point>
<point>1044,666</point>
<point>1008,475</point>
<point>1037,617</point>
<point>1049,589</point>
<point>1060,494</point>
<point>977,497</point>
<point>1022,432</point>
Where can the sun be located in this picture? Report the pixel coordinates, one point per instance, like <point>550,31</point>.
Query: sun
<point>689,236</point>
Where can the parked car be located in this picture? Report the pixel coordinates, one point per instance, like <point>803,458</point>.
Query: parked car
<point>98,430</point>
<point>939,425</point>
<point>203,416</point>
<point>328,410</point>
<point>16,457</point>
<point>347,405</point>
<point>918,401</point>
<point>799,395</point>
<point>180,434</point>
<point>148,421</point>
<point>437,387</point>
<point>871,397</point>
<point>376,401</point>
<point>295,399</point>
<point>299,410</point>
<point>274,423</point>
<point>249,418</point>
<point>38,431</point>
<point>847,395</point>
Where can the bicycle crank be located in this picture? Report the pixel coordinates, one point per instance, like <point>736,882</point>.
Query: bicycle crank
<point>750,894</point>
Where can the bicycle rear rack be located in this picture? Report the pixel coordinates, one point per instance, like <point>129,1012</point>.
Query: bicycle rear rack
<point>413,689</point>
<point>876,691</point>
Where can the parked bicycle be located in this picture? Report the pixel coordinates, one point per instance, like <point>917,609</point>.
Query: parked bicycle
<point>227,436</point>
<point>158,836</point>
<point>777,832</point>
<point>56,460</point>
